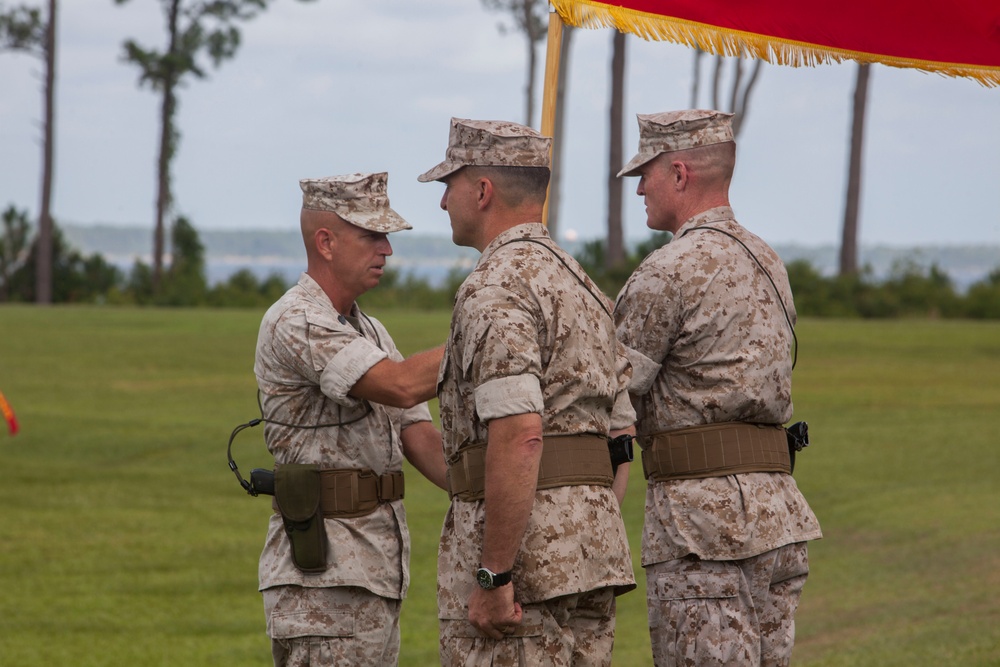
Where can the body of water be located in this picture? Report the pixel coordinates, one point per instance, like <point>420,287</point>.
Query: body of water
<point>219,270</point>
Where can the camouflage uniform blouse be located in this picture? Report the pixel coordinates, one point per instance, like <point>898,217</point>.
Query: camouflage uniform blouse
<point>308,358</point>
<point>527,337</point>
<point>709,342</point>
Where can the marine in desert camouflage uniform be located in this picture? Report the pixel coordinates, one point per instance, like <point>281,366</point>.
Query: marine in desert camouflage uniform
<point>322,361</point>
<point>709,338</point>
<point>531,356</point>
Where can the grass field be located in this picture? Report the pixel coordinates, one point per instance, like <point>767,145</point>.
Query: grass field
<point>125,539</point>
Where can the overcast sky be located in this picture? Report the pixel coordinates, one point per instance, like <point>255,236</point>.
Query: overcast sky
<point>338,86</point>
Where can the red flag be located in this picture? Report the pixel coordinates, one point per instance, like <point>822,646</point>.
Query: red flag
<point>8,414</point>
<point>956,38</point>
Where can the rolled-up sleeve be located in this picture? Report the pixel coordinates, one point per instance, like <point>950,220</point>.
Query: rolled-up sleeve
<point>348,366</point>
<point>623,414</point>
<point>502,352</point>
<point>418,413</point>
<point>506,396</point>
<point>644,372</point>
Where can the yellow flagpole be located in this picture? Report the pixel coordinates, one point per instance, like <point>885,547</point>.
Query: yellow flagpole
<point>552,52</point>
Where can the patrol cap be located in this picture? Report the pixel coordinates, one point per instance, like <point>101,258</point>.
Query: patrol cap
<point>360,199</point>
<point>677,131</point>
<point>494,143</point>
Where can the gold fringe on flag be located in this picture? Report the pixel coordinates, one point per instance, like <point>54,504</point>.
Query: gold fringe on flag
<point>727,42</point>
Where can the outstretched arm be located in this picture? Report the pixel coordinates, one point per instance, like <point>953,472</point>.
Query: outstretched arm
<point>401,384</point>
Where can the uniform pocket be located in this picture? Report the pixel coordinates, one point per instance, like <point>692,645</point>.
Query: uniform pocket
<point>294,612</point>
<point>316,623</point>
<point>698,586</point>
<point>696,617</point>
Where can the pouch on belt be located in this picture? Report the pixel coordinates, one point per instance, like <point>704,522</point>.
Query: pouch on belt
<point>297,494</point>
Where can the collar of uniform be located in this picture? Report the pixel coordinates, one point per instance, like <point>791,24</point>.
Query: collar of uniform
<point>718,214</point>
<point>316,293</point>
<point>311,287</point>
<point>528,230</point>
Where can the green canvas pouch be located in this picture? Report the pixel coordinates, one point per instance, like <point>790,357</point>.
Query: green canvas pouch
<point>297,492</point>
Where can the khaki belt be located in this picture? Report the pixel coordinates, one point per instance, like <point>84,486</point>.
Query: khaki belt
<point>567,460</point>
<point>347,493</point>
<point>715,450</point>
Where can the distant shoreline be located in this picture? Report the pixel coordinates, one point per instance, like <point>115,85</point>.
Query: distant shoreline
<point>431,257</point>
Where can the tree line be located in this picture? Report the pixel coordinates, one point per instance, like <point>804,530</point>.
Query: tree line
<point>90,279</point>
<point>910,290</point>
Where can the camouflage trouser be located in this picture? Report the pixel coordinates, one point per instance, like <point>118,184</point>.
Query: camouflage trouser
<point>726,612</point>
<point>577,630</point>
<point>331,626</point>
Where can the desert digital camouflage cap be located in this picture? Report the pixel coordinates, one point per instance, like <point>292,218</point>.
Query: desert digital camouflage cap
<point>677,131</point>
<point>495,143</point>
<point>360,199</point>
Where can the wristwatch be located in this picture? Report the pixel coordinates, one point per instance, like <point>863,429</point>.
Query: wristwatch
<point>490,580</point>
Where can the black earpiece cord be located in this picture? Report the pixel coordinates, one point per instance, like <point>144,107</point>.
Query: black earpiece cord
<point>254,422</point>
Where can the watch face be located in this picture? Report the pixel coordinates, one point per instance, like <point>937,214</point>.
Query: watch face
<point>485,578</point>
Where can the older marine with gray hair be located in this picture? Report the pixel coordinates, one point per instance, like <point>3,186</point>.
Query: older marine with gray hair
<point>342,409</point>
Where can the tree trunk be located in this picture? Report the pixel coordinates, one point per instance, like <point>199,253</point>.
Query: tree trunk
<point>167,108</point>
<point>163,183</point>
<point>744,99</point>
<point>849,240</point>
<point>529,92</point>
<point>696,78</point>
<point>737,78</point>
<point>716,83</point>
<point>43,261</point>
<point>555,198</point>
<point>616,246</point>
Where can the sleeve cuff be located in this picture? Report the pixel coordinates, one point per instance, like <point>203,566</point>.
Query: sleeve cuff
<point>644,372</point>
<point>623,414</point>
<point>507,396</point>
<point>418,413</point>
<point>347,367</point>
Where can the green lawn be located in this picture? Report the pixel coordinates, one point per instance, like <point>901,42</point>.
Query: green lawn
<point>125,539</point>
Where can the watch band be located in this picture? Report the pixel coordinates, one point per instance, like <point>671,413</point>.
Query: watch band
<point>489,580</point>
